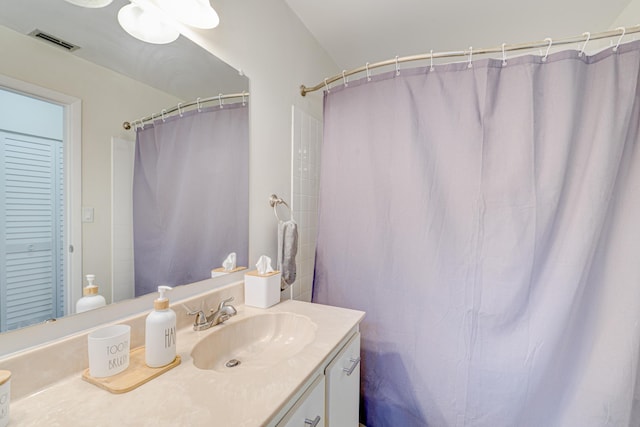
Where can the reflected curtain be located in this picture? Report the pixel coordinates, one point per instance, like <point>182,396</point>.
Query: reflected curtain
<point>191,196</point>
<point>486,219</point>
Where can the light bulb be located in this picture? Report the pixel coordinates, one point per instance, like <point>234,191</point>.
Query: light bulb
<point>196,13</point>
<point>146,26</point>
<point>94,4</point>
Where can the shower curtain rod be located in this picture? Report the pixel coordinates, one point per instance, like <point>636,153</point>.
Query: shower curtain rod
<point>548,42</point>
<point>181,106</point>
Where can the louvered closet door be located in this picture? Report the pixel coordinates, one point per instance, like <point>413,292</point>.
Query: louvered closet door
<point>31,232</point>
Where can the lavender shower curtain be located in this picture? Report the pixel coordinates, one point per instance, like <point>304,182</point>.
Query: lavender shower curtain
<point>487,219</point>
<point>191,196</point>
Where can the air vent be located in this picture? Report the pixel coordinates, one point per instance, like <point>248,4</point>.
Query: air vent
<point>54,40</point>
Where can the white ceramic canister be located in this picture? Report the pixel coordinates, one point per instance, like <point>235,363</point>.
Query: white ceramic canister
<point>5,397</point>
<point>109,350</point>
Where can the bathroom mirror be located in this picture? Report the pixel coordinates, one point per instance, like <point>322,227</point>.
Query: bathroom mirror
<point>116,78</point>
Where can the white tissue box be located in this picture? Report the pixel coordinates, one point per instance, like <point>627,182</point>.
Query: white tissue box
<point>262,291</point>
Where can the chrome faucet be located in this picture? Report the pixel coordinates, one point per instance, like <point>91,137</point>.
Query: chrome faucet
<point>222,314</point>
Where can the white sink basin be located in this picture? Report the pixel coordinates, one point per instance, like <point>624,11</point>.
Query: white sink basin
<point>256,342</point>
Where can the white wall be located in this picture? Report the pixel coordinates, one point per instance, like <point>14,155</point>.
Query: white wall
<point>49,123</point>
<point>266,40</point>
<point>630,15</point>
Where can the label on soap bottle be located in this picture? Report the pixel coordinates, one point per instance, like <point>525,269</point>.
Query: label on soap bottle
<point>160,338</point>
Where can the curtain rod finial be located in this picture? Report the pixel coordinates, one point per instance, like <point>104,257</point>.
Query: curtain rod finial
<point>126,125</point>
<point>303,90</point>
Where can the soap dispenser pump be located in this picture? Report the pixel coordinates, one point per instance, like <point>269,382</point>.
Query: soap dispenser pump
<point>90,297</point>
<point>160,332</point>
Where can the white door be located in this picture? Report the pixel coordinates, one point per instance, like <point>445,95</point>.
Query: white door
<point>32,231</point>
<point>32,211</point>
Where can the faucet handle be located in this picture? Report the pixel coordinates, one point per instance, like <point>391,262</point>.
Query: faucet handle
<point>201,318</point>
<point>223,302</point>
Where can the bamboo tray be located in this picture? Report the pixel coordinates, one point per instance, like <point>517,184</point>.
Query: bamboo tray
<point>136,374</point>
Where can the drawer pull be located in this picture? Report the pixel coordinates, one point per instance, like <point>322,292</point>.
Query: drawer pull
<point>354,363</point>
<point>313,423</point>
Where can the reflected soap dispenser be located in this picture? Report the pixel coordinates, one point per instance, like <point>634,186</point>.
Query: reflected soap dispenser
<point>90,299</point>
<point>160,332</point>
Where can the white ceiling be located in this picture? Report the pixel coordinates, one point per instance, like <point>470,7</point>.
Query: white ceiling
<point>354,32</point>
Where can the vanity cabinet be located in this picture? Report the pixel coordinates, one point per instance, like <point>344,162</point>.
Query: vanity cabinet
<point>333,398</point>
<point>317,386</point>
<point>309,409</point>
<point>343,386</point>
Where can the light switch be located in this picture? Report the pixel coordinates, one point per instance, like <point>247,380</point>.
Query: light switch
<point>87,214</point>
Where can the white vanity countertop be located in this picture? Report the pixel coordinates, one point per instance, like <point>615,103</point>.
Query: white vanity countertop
<point>188,396</point>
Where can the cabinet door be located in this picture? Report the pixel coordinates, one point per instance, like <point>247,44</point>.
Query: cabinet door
<point>309,409</point>
<point>343,386</point>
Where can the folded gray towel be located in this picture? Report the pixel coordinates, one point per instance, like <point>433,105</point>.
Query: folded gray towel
<point>287,250</point>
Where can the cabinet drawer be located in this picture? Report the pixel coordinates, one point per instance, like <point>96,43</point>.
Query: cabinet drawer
<point>309,409</point>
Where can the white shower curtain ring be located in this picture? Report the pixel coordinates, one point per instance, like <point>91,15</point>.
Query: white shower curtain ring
<point>163,112</point>
<point>588,34</point>
<point>397,67</point>
<point>326,85</point>
<point>504,55</point>
<point>243,101</point>
<point>220,102</point>
<point>153,118</point>
<point>179,110</point>
<point>470,64</point>
<point>366,66</point>
<point>550,40</point>
<point>431,57</point>
<point>345,81</point>
<point>198,103</point>
<point>624,30</point>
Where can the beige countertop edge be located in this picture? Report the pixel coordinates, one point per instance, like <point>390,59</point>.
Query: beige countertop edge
<point>190,396</point>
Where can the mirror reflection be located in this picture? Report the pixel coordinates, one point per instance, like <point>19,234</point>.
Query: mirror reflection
<point>71,163</point>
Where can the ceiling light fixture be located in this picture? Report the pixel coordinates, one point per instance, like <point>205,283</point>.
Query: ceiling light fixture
<point>145,25</point>
<point>94,4</point>
<point>195,13</point>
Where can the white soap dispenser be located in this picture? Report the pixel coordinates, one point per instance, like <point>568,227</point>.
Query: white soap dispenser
<point>90,299</point>
<point>160,332</point>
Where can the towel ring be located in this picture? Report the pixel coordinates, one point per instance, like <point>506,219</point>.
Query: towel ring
<point>274,201</point>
